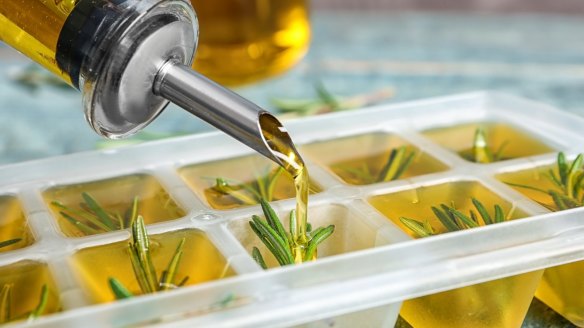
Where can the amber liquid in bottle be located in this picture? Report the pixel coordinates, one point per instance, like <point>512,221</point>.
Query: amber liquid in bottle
<point>241,41</point>
<point>33,27</point>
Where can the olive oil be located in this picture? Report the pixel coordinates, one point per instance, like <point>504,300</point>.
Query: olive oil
<point>535,177</point>
<point>33,28</point>
<point>515,143</point>
<point>279,142</point>
<point>116,196</point>
<point>498,303</point>
<point>13,224</point>
<point>26,279</point>
<point>418,204</point>
<point>358,160</point>
<point>245,41</point>
<point>365,170</point>
<point>200,262</point>
<point>241,173</point>
<point>561,289</point>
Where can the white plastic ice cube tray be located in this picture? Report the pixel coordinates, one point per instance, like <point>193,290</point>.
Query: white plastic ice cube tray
<point>361,287</point>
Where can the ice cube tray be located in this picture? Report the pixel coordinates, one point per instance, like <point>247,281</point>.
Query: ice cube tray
<point>368,267</point>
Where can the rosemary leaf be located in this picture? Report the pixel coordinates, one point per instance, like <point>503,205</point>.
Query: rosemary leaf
<point>480,147</point>
<point>257,256</point>
<point>119,290</point>
<point>284,246</point>
<point>141,246</point>
<point>103,216</point>
<point>499,215</point>
<point>281,258</point>
<point>420,229</point>
<point>80,225</point>
<point>274,221</point>
<point>9,242</point>
<point>236,192</point>
<point>326,96</point>
<point>465,219</point>
<point>42,304</point>
<point>278,242</point>
<point>404,165</point>
<point>139,272</point>
<point>318,238</point>
<point>562,168</point>
<point>483,211</point>
<point>134,215</point>
<point>392,164</point>
<point>166,283</point>
<point>445,219</point>
<point>90,217</point>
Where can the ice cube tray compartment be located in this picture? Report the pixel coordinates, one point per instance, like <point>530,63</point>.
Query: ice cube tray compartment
<point>352,277</point>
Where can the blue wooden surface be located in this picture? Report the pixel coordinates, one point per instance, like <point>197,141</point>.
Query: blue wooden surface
<point>418,55</point>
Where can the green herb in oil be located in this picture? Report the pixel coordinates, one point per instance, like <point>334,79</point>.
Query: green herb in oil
<point>398,161</point>
<point>9,242</point>
<point>568,180</point>
<point>452,219</point>
<point>250,193</point>
<point>143,267</point>
<point>280,242</point>
<point>92,218</point>
<point>6,305</point>
<point>482,151</point>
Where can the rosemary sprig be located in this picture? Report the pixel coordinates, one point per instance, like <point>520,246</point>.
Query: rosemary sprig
<point>325,102</point>
<point>262,187</point>
<point>398,161</point>
<point>568,183</point>
<point>482,151</point>
<point>92,218</point>
<point>6,307</point>
<point>281,243</point>
<point>9,242</point>
<point>143,267</point>
<point>454,220</point>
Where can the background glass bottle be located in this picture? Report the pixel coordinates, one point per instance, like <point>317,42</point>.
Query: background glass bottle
<point>242,41</point>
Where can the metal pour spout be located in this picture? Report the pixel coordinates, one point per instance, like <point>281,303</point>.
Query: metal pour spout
<point>138,59</point>
<point>216,105</point>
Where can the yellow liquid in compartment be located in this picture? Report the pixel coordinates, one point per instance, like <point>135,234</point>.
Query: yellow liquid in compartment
<point>416,203</point>
<point>245,41</point>
<point>517,143</point>
<point>201,178</point>
<point>499,303</point>
<point>371,168</point>
<point>33,26</point>
<point>116,196</point>
<point>13,224</point>
<point>358,160</point>
<point>535,177</point>
<point>27,279</point>
<point>201,262</point>
<point>562,288</point>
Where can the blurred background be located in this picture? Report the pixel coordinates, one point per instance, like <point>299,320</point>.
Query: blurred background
<point>360,52</point>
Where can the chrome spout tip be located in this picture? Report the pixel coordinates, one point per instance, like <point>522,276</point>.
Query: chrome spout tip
<point>277,143</point>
